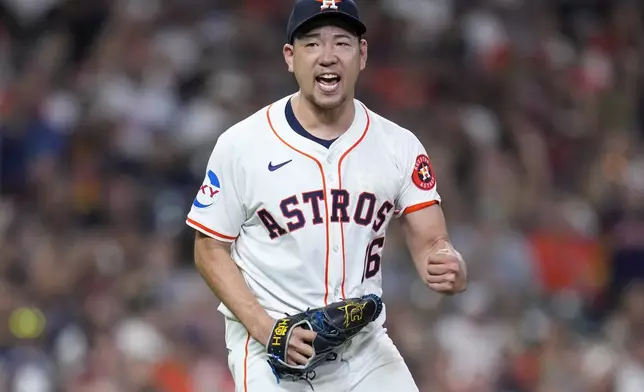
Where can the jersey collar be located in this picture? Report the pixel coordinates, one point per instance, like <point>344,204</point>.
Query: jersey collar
<point>349,139</point>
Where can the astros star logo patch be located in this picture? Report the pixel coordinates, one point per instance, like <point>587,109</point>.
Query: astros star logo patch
<point>423,175</point>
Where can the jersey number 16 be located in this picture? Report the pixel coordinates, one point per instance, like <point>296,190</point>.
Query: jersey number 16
<point>373,258</point>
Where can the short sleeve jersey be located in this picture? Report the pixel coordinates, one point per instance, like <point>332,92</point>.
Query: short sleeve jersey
<point>307,223</point>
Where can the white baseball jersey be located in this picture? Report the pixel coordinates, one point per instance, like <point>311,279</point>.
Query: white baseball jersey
<point>308,222</point>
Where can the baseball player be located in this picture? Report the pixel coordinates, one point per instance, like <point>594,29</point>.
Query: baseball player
<point>295,204</point>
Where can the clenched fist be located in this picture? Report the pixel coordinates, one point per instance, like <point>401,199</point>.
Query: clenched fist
<point>446,272</point>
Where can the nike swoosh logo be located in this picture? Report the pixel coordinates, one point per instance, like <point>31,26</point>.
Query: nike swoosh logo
<point>273,168</point>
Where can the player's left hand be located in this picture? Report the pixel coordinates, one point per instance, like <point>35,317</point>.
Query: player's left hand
<point>446,272</point>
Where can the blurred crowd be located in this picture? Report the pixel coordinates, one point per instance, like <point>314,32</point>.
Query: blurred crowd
<point>530,110</point>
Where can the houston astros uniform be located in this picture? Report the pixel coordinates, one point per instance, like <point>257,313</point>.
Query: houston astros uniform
<point>307,221</point>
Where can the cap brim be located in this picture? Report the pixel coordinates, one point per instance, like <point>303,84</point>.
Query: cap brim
<point>355,23</point>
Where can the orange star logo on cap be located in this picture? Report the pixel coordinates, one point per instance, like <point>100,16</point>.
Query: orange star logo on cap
<point>326,4</point>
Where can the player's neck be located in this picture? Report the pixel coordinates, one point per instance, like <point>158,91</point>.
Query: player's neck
<point>324,124</point>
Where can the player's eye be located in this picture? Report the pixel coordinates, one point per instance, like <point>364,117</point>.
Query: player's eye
<point>345,44</point>
<point>311,44</point>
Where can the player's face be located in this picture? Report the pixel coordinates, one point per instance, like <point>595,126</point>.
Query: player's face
<point>326,62</point>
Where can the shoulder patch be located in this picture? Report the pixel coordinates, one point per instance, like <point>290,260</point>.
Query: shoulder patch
<point>423,174</point>
<point>208,192</point>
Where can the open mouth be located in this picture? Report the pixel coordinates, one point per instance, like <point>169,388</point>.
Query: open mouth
<point>328,82</point>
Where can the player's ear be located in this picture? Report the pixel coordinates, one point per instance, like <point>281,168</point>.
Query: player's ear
<point>363,53</point>
<point>288,52</point>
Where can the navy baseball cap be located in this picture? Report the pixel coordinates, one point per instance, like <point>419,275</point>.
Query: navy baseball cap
<point>305,11</point>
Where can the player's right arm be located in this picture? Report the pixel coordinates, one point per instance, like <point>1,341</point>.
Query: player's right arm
<point>220,272</point>
<point>218,213</point>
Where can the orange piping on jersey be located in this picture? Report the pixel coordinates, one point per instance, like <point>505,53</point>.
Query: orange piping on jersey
<point>344,263</point>
<point>418,207</point>
<point>246,364</point>
<point>326,206</point>
<point>204,228</point>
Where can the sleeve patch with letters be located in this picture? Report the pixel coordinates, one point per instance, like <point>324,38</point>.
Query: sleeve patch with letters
<point>208,192</point>
<point>423,175</point>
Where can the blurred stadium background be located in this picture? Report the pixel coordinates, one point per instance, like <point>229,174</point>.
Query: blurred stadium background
<point>530,109</point>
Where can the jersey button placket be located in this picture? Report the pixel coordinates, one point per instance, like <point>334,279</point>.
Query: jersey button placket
<point>330,169</point>
<point>336,260</point>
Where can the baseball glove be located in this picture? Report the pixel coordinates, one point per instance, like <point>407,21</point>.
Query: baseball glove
<point>335,324</point>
